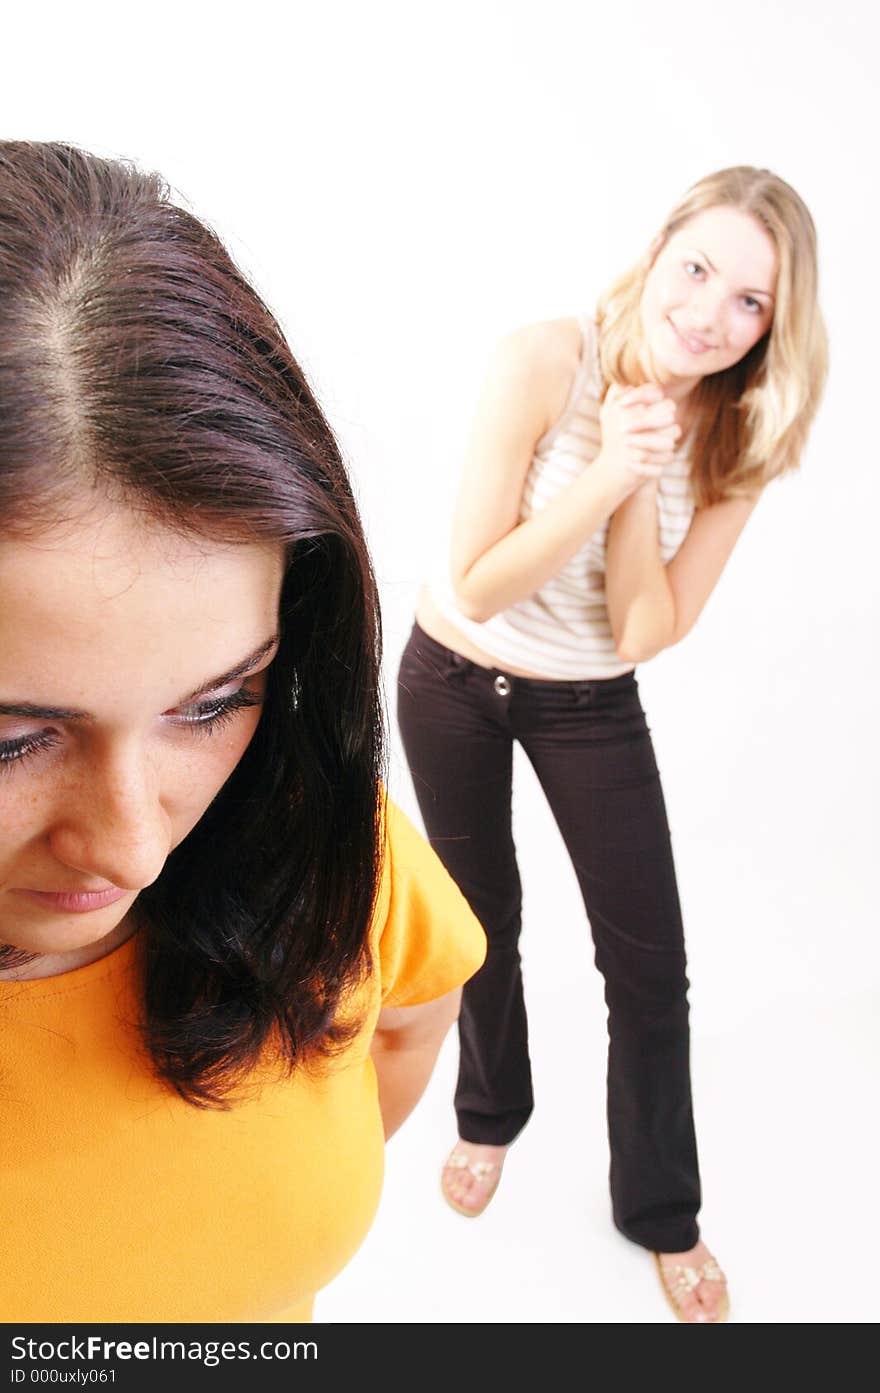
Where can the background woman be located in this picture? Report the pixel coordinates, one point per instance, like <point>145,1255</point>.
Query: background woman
<point>226,964</point>
<point>614,463</point>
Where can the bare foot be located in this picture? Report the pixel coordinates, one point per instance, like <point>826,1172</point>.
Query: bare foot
<point>695,1298</point>
<point>470,1176</point>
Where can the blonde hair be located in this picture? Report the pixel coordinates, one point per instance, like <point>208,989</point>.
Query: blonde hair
<point>751,421</point>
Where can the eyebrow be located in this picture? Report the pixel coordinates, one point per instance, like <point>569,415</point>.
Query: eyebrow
<point>747,291</point>
<point>240,670</point>
<point>64,713</point>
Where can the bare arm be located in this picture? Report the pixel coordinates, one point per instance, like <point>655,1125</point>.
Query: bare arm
<point>497,560</point>
<point>404,1050</point>
<point>652,605</point>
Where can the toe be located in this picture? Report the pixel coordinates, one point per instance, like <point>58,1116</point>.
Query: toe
<point>686,1303</point>
<point>692,1309</point>
<point>456,1184</point>
<point>711,1297</point>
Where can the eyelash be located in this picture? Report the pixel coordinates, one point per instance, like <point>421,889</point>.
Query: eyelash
<point>754,306</point>
<point>214,714</point>
<point>210,717</point>
<point>17,751</point>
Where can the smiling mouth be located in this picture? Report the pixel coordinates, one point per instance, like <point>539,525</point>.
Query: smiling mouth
<point>690,341</point>
<point>76,901</point>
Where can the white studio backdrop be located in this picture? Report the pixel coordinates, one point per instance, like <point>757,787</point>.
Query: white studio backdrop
<point>405,183</point>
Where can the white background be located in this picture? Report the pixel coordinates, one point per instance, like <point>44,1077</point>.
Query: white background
<point>405,183</point>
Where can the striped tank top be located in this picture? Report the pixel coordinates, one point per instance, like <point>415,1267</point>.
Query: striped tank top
<point>562,631</point>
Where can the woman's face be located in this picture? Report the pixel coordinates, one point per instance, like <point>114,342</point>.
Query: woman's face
<point>132,665</point>
<point>709,295</point>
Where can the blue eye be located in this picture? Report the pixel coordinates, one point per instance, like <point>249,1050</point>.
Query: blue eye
<point>752,305</point>
<point>693,268</point>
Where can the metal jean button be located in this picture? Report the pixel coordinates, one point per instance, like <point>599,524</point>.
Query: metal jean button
<point>502,686</point>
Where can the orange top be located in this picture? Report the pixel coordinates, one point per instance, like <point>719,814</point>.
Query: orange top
<point>120,1202</point>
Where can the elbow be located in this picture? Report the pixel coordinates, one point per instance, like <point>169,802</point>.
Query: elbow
<point>638,648</point>
<point>630,652</point>
<point>469,605</point>
<point>476,613</point>
<point>643,631</point>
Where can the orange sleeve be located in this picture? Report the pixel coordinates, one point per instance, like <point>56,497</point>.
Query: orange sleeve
<point>430,940</point>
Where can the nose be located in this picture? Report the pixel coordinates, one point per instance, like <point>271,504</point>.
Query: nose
<point>113,824</point>
<point>703,311</point>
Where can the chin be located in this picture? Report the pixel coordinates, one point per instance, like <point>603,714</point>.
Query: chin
<point>72,937</point>
<point>681,364</point>
<point>670,364</point>
<point>57,944</point>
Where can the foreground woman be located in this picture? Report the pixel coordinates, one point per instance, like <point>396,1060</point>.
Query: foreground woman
<point>226,961</point>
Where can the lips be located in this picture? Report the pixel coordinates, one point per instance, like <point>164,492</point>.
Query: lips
<point>691,342</point>
<point>75,901</point>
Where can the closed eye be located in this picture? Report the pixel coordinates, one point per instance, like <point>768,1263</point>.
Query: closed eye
<point>15,752</point>
<point>209,715</point>
<point>200,718</point>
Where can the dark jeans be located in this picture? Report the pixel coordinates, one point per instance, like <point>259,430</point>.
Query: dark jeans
<point>591,750</point>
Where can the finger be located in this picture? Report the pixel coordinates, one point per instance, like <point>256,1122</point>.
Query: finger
<point>655,442</point>
<point>637,455</point>
<point>647,393</point>
<point>658,413</point>
<point>648,471</point>
<point>667,436</point>
<point>649,458</point>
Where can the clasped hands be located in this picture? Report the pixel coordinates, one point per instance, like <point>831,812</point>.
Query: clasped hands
<point>639,435</point>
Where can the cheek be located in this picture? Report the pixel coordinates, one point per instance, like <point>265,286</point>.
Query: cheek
<point>188,778</point>
<point>662,292</point>
<point>191,783</point>
<point>675,287</point>
<point>23,818</point>
<point>745,333</point>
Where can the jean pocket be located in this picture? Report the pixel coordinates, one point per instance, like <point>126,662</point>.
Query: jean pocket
<point>429,662</point>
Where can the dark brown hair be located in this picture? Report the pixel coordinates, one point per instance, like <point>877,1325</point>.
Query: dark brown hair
<point>136,360</point>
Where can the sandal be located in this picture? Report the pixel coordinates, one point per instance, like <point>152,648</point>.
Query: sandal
<point>480,1170</point>
<point>679,1280</point>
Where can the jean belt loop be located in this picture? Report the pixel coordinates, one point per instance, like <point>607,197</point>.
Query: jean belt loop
<point>457,665</point>
<point>584,693</point>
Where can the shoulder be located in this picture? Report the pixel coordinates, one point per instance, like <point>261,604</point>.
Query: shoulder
<point>418,882</point>
<point>408,854</point>
<point>546,350</point>
<point>427,938</point>
<point>535,366</point>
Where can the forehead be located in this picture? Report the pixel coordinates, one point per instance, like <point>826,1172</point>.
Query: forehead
<point>111,601</point>
<point>735,242</point>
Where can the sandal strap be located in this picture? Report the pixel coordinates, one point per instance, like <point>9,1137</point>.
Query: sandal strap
<point>681,1279</point>
<point>480,1170</point>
